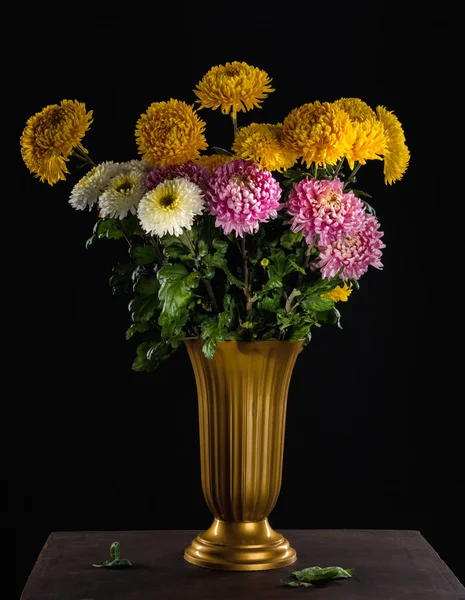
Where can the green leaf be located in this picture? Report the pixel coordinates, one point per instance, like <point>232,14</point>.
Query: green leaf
<point>319,574</point>
<point>131,226</point>
<point>137,328</point>
<point>121,279</point>
<point>108,228</point>
<point>115,551</point>
<point>175,289</point>
<point>120,283</point>
<point>283,321</point>
<point>139,271</point>
<point>142,362</point>
<point>175,272</point>
<point>178,252</point>
<point>227,302</point>
<point>296,266</point>
<point>157,351</point>
<point>314,302</point>
<point>142,308</point>
<point>144,255</point>
<point>290,238</point>
<point>321,286</point>
<point>218,150</point>
<point>102,226</point>
<point>116,560</point>
<point>271,303</point>
<point>213,330</point>
<point>232,336</point>
<point>93,238</point>
<point>124,268</point>
<point>147,285</point>
<point>202,248</point>
<point>232,279</point>
<point>274,282</point>
<point>209,330</point>
<point>292,584</point>
<point>218,260</point>
<point>298,332</point>
<point>209,347</point>
<point>175,247</point>
<point>171,327</point>
<point>361,193</point>
<point>220,245</point>
<point>278,261</point>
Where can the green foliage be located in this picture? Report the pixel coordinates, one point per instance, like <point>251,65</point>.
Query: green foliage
<point>176,285</point>
<point>311,575</point>
<point>144,255</point>
<point>116,562</point>
<point>207,285</point>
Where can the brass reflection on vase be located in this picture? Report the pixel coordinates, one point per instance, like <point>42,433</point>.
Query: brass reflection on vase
<point>242,395</point>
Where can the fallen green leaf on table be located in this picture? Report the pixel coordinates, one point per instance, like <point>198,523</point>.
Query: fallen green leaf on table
<point>116,560</point>
<point>313,574</point>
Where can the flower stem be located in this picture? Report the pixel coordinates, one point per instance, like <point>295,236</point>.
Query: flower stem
<point>234,122</point>
<point>191,248</point>
<point>157,249</point>
<point>246,277</point>
<point>305,265</point>
<point>78,153</point>
<point>352,175</point>
<point>296,291</point>
<point>206,282</point>
<point>124,233</point>
<point>338,168</point>
<point>289,308</point>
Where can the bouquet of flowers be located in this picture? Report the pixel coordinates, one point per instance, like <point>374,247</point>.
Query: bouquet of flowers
<point>260,241</point>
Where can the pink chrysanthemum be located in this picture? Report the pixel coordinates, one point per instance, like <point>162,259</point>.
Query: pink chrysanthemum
<point>241,196</point>
<point>355,252</point>
<point>189,170</point>
<point>321,208</point>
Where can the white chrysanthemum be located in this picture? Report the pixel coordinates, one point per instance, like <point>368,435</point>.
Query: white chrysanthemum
<point>170,207</point>
<point>140,165</point>
<point>122,195</point>
<point>86,192</point>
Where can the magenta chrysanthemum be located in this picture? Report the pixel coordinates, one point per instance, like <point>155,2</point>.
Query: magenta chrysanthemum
<point>189,170</point>
<point>321,208</point>
<point>354,252</point>
<point>241,196</point>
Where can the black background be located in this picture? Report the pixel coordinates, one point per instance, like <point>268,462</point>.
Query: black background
<point>374,435</point>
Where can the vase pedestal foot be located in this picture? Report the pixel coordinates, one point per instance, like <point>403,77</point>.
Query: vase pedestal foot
<point>246,546</point>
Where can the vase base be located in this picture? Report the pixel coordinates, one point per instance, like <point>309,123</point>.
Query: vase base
<point>248,546</point>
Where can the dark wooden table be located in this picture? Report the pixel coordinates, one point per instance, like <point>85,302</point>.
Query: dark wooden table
<point>390,565</point>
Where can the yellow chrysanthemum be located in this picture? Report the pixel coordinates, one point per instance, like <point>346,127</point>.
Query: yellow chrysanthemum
<point>170,133</point>
<point>318,132</point>
<point>396,154</point>
<point>339,293</point>
<point>212,161</point>
<point>357,109</point>
<point>369,141</point>
<point>50,137</point>
<point>233,87</point>
<point>263,144</point>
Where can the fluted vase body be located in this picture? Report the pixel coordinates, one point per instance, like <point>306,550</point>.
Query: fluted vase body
<point>242,395</point>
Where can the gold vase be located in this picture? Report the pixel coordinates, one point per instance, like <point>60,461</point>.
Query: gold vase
<point>242,395</point>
